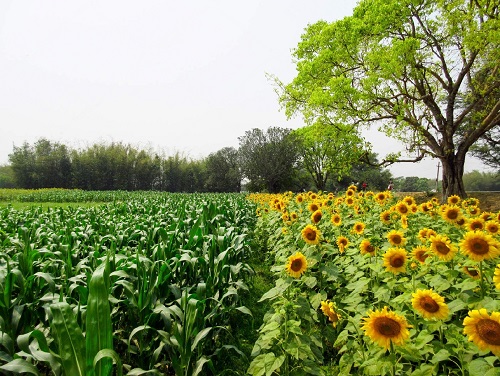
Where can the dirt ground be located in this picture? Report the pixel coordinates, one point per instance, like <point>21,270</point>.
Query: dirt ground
<point>488,201</point>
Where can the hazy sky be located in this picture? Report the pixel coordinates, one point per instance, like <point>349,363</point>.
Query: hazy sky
<point>187,76</point>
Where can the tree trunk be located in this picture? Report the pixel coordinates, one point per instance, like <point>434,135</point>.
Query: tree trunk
<point>453,171</point>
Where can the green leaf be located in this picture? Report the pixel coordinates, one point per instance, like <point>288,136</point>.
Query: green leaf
<point>69,338</point>
<point>201,335</point>
<point>479,367</point>
<point>99,334</point>
<point>440,356</point>
<point>113,356</point>
<point>20,366</point>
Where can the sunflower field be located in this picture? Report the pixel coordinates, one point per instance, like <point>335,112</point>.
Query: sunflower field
<point>369,284</point>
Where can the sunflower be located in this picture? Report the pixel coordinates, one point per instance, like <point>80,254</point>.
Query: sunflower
<point>396,238</point>
<point>496,277</point>
<point>420,253</point>
<point>297,265</point>
<point>329,311</point>
<point>313,206</point>
<point>349,201</point>
<point>285,217</point>
<point>313,196</point>
<point>410,200</point>
<point>311,234</point>
<point>358,228</point>
<point>451,213</point>
<point>425,207</point>
<point>402,207</point>
<point>493,227</point>
<point>316,216</point>
<point>473,210</point>
<point>299,198</point>
<point>342,242</point>
<point>475,224</point>
<point>395,260</point>
<point>385,217</point>
<point>453,200</point>
<point>381,197</point>
<point>430,304</point>
<point>351,190</point>
<point>336,219</point>
<point>487,216</point>
<point>384,327</point>
<point>461,221</point>
<point>484,330</point>
<point>367,247</point>
<point>471,201</point>
<point>472,272</point>
<point>442,247</point>
<point>479,246</point>
<point>404,221</point>
<point>293,216</point>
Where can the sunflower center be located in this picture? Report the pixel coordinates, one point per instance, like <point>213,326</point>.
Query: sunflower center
<point>311,235</point>
<point>317,218</point>
<point>479,247</point>
<point>397,261</point>
<point>396,239</point>
<point>452,214</point>
<point>370,248</point>
<point>421,256</point>
<point>429,304</point>
<point>387,327</point>
<point>489,331</point>
<point>476,226</point>
<point>403,209</point>
<point>442,248</point>
<point>343,242</point>
<point>296,265</point>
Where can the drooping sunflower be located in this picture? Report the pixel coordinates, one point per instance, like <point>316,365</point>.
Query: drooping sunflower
<point>297,265</point>
<point>483,330</point>
<point>358,228</point>
<point>487,216</point>
<point>430,304</point>
<point>329,310</point>
<point>316,216</point>
<point>472,272</point>
<point>342,242</point>
<point>451,213</point>
<point>384,327</point>
<point>443,248</point>
<point>367,248</point>
<point>395,260</point>
<point>470,201</point>
<point>453,200</point>
<point>496,277</point>
<point>336,219</point>
<point>479,246</point>
<point>420,253</point>
<point>311,234</point>
<point>396,238</point>
<point>473,210</point>
<point>493,227</point>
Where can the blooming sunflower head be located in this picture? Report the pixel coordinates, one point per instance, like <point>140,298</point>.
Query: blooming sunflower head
<point>493,227</point>
<point>299,198</point>
<point>336,219</point>
<point>358,228</point>
<point>425,207</point>
<point>349,201</point>
<point>395,260</point>
<point>479,246</point>
<point>442,247</point>
<point>293,216</point>
<point>402,207</point>
<point>316,216</point>
<point>329,310</point>
<point>342,242</point>
<point>483,330</point>
<point>367,248</point>
<point>396,238</point>
<point>475,224</point>
<point>420,253</point>
<point>473,210</point>
<point>313,206</point>
<point>451,213</point>
<point>380,197</point>
<point>385,217</point>
<point>410,200</point>
<point>384,327</point>
<point>430,304</point>
<point>453,200</point>
<point>297,265</point>
<point>311,234</point>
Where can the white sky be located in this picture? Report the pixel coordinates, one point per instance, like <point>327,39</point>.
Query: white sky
<point>185,76</point>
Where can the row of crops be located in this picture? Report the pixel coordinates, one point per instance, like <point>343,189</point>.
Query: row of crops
<point>141,284</point>
<point>370,284</point>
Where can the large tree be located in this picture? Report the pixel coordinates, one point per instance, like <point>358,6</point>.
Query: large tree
<point>426,72</point>
<point>328,151</point>
<point>268,159</point>
<point>222,171</point>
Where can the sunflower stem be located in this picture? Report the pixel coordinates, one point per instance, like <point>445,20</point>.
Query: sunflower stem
<point>391,351</point>
<point>482,278</point>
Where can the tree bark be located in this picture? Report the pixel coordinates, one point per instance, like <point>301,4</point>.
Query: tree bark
<point>453,171</point>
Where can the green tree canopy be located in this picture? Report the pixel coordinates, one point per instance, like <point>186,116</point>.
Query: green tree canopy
<point>223,172</point>
<point>268,158</point>
<point>426,72</point>
<point>328,151</point>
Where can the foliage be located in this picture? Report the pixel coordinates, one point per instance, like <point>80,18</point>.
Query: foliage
<point>223,172</point>
<point>268,158</point>
<point>487,149</point>
<point>368,170</point>
<point>425,72</point>
<point>482,181</point>
<point>328,151</point>
<point>7,178</point>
